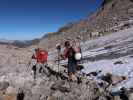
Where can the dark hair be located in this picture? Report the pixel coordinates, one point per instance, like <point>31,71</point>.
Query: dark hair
<point>36,49</point>
<point>67,43</point>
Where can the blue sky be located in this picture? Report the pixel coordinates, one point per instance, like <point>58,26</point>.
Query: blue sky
<point>28,19</point>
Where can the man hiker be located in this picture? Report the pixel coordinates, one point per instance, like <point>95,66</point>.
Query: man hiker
<point>41,60</point>
<point>69,52</point>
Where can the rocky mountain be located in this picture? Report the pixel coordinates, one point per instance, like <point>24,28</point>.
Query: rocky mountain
<point>107,72</point>
<point>6,41</point>
<point>112,13</point>
<point>23,44</point>
<point>18,43</point>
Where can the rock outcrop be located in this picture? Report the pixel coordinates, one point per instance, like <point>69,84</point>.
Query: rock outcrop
<point>112,16</point>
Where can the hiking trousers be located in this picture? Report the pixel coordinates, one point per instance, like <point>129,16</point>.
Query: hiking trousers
<point>42,69</point>
<point>72,65</point>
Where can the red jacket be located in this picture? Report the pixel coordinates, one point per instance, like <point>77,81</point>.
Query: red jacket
<point>69,52</point>
<point>41,56</point>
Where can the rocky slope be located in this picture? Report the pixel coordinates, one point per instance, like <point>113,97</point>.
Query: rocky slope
<point>107,62</point>
<point>112,13</point>
<point>95,82</point>
<point>109,59</point>
<point>17,83</point>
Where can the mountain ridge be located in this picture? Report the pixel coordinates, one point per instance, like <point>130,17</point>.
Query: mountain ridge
<point>112,13</point>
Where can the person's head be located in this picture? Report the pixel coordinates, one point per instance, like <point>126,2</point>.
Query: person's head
<point>36,49</point>
<point>67,44</point>
<point>73,43</point>
<point>78,38</point>
<point>58,46</point>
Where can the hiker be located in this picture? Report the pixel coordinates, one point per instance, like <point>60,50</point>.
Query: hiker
<point>69,52</point>
<point>77,49</point>
<point>41,60</point>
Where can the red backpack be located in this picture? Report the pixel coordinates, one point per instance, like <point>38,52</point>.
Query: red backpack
<point>41,56</point>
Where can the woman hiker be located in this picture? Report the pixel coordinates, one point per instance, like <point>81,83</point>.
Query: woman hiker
<point>69,52</point>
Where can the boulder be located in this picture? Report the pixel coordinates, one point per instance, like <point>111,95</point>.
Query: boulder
<point>118,62</point>
<point>4,85</point>
<point>51,98</point>
<point>9,97</point>
<point>131,96</point>
<point>11,90</point>
<point>95,73</point>
<point>117,79</point>
<point>59,85</point>
<point>107,78</point>
<point>130,10</point>
<point>116,98</point>
<point>113,79</point>
<point>1,98</point>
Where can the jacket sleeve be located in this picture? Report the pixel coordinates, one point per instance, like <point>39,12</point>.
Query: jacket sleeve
<point>65,54</point>
<point>77,49</point>
<point>33,56</point>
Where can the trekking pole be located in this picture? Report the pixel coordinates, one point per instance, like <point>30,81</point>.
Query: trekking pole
<point>79,40</point>
<point>58,65</point>
<point>58,47</point>
<point>28,65</point>
<point>31,66</point>
<point>81,60</point>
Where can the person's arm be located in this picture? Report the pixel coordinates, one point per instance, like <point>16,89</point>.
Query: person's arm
<point>33,56</point>
<point>64,55</point>
<point>76,49</point>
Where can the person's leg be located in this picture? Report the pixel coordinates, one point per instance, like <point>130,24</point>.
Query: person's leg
<point>44,69</point>
<point>70,71</point>
<point>38,72</point>
<point>41,68</point>
<point>34,71</point>
<point>74,66</point>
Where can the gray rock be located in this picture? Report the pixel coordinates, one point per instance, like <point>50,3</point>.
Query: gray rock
<point>130,10</point>
<point>118,62</point>
<point>102,98</point>
<point>117,98</point>
<point>43,97</point>
<point>59,86</point>
<point>113,79</point>
<point>32,97</point>
<point>51,98</point>
<point>131,96</point>
<point>4,85</point>
<point>1,98</point>
<point>117,79</point>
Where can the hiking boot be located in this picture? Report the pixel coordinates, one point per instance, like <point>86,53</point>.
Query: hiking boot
<point>74,78</point>
<point>40,70</point>
<point>70,77</point>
